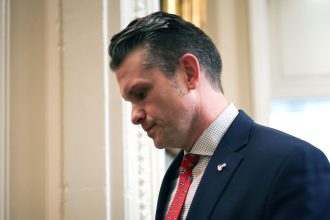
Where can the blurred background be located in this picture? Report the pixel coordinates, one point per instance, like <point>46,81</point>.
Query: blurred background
<point>67,148</point>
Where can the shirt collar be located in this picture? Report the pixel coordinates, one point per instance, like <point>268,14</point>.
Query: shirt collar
<point>210,138</point>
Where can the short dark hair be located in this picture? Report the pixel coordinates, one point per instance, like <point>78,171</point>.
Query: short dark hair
<point>165,38</point>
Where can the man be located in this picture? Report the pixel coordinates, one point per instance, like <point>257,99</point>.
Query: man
<point>237,170</point>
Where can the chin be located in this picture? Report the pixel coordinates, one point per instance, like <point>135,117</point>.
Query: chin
<point>160,148</point>
<point>159,145</point>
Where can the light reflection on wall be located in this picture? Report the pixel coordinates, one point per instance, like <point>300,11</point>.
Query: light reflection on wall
<point>307,119</point>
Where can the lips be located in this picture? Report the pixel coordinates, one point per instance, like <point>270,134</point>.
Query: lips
<point>148,128</point>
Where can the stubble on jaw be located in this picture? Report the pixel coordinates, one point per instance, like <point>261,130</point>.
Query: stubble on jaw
<point>177,87</point>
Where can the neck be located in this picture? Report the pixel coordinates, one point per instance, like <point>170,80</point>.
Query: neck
<point>210,105</point>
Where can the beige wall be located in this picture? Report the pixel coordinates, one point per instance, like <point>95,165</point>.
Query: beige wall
<point>70,169</point>
<point>227,25</point>
<point>27,110</point>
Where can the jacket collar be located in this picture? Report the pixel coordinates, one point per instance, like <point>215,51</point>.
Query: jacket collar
<point>214,182</point>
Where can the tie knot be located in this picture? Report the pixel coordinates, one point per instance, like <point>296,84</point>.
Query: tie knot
<point>189,161</point>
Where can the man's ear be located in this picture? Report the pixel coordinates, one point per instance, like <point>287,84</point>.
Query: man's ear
<point>190,66</point>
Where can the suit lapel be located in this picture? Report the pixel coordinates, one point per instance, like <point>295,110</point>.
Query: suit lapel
<point>214,182</point>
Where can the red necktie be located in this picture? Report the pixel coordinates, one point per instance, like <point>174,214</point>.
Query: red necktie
<point>185,179</point>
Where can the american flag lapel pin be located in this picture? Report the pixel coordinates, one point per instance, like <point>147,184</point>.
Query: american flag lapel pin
<point>221,166</point>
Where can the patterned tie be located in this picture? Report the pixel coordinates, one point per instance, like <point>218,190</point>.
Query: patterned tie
<point>185,179</point>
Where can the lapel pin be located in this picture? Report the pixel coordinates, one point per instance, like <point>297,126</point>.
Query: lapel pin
<point>221,166</point>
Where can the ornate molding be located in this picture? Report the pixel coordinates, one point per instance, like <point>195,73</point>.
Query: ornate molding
<point>4,107</point>
<point>131,9</point>
<point>144,165</point>
<point>140,184</point>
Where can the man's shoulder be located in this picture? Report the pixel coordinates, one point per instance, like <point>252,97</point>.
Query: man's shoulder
<point>265,140</point>
<point>278,143</point>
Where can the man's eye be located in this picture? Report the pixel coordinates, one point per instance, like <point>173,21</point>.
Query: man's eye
<point>140,95</point>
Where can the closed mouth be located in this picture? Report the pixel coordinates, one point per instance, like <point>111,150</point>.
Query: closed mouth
<point>149,129</point>
<point>146,129</point>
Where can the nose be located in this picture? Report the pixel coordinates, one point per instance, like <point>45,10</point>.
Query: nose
<point>138,115</point>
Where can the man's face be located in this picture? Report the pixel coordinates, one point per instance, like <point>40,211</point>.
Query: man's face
<point>163,106</point>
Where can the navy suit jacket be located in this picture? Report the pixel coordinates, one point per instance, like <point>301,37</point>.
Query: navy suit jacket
<point>269,175</point>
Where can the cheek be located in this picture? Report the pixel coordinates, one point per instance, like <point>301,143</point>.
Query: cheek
<point>180,117</point>
<point>169,106</point>
<point>159,106</point>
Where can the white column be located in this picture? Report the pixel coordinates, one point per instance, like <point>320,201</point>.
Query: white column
<point>4,107</point>
<point>144,165</point>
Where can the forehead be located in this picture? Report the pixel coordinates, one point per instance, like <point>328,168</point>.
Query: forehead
<point>132,72</point>
<point>131,62</point>
<point>136,57</point>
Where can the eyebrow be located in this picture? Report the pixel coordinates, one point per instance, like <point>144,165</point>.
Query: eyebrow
<point>129,90</point>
